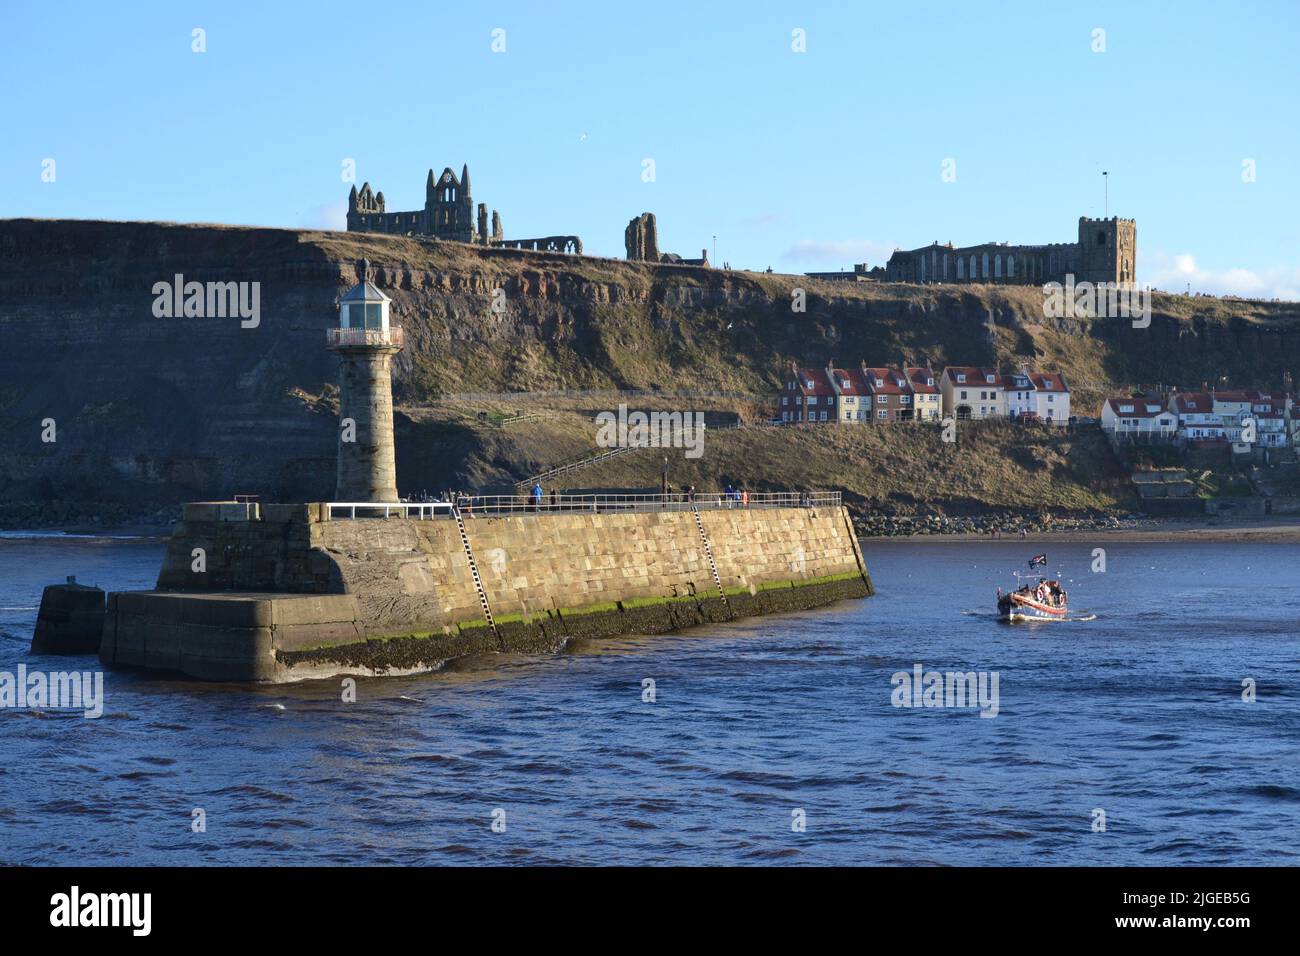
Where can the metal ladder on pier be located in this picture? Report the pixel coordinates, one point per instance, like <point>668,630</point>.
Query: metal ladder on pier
<point>473,570</point>
<point>708,553</point>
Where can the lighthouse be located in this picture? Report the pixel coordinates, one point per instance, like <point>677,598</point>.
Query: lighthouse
<point>365,343</point>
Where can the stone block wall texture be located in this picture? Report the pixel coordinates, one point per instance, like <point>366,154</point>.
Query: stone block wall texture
<point>410,594</point>
<point>367,464</point>
<point>415,573</point>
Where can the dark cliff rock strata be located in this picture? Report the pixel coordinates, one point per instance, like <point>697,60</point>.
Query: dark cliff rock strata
<point>152,411</point>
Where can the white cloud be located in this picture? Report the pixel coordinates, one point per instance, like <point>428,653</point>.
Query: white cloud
<point>840,252</point>
<point>332,215</point>
<point>1173,273</point>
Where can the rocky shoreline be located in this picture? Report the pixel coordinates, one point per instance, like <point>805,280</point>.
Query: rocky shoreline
<point>76,517</point>
<point>1007,525</point>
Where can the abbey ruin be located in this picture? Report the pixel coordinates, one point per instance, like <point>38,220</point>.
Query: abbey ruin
<point>641,240</point>
<point>1105,252</point>
<point>448,214</point>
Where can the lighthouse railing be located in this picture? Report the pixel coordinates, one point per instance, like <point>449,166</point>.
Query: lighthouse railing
<point>361,337</point>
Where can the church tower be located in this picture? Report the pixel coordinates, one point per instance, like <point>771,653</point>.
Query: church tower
<point>1107,250</point>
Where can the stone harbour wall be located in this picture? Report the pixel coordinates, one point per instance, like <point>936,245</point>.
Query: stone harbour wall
<point>295,596</point>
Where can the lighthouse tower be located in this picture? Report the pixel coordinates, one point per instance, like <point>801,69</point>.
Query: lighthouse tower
<point>365,343</point>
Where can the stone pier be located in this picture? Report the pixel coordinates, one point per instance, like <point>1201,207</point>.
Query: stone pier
<point>284,593</point>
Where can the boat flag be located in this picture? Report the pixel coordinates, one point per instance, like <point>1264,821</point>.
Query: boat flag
<point>1038,559</point>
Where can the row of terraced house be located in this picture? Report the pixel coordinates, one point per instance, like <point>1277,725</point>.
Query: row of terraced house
<point>1239,418</point>
<point>867,395</point>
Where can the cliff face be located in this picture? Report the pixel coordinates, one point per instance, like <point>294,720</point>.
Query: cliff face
<point>157,410</point>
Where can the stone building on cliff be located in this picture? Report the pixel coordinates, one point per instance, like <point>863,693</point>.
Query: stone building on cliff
<point>448,214</point>
<point>1106,251</point>
<point>641,240</point>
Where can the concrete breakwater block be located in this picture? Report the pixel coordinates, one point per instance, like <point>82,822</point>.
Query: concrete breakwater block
<point>70,621</point>
<point>222,635</point>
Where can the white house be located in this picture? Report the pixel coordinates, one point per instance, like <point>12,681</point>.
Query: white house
<point>1051,397</point>
<point>1138,418</point>
<point>1197,420</point>
<point>972,392</point>
<point>1238,410</point>
<point>1019,389</point>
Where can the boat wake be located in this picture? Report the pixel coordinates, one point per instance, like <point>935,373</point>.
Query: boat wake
<point>1056,620</point>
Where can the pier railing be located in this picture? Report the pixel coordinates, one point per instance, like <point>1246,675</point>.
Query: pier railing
<point>471,506</point>
<point>388,509</point>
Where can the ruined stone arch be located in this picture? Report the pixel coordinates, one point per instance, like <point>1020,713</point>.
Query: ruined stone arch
<point>985,263</point>
<point>961,267</point>
<point>1011,267</point>
<point>997,266</point>
<point>974,273</point>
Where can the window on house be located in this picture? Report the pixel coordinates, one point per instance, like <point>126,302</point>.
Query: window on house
<point>882,414</point>
<point>823,416</point>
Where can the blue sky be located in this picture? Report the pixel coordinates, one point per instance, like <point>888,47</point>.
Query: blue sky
<point>794,160</point>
